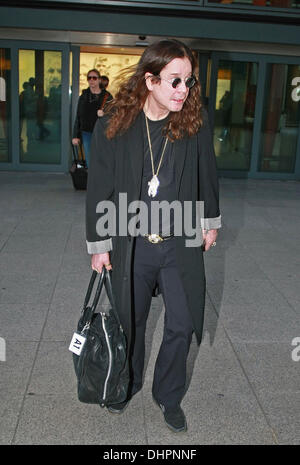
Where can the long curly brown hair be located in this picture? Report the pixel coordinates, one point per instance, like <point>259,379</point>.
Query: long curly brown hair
<point>133,92</point>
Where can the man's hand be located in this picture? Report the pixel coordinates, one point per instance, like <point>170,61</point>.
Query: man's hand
<point>209,238</point>
<point>75,141</point>
<point>99,260</point>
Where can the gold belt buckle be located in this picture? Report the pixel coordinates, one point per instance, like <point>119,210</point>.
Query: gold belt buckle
<point>154,238</point>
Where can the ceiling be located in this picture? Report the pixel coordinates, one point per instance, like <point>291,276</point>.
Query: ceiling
<point>107,40</point>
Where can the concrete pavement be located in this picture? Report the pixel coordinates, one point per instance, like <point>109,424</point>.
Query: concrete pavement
<point>243,381</point>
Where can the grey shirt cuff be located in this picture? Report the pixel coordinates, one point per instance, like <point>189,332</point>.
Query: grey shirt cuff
<point>99,246</point>
<point>211,223</point>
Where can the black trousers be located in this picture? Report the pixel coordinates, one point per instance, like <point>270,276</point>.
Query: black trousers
<point>157,263</point>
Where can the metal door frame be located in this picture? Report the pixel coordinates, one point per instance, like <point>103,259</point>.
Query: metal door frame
<point>14,139</point>
<point>263,61</point>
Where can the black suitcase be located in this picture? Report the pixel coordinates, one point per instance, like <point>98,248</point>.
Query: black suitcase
<point>78,169</point>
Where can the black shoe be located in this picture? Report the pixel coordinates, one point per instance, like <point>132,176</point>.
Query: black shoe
<point>118,408</point>
<point>174,418</point>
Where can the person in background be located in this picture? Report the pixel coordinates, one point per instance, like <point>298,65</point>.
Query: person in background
<point>89,108</point>
<point>104,82</point>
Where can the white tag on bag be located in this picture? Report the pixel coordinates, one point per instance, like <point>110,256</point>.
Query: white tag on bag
<point>77,343</point>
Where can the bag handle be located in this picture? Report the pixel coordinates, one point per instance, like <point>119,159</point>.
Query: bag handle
<point>90,289</point>
<point>75,152</point>
<point>109,291</point>
<point>105,278</point>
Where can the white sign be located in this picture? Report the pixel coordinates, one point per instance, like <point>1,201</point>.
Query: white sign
<point>296,92</point>
<point>296,351</point>
<point>77,343</point>
<point>2,90</point>
<point>2,350</point>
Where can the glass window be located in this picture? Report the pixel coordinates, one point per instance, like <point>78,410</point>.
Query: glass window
<point>40,106</point>
<point>234,113</point>
<point>5,67</point>
<point>281,117</point>
<point>264,3</point>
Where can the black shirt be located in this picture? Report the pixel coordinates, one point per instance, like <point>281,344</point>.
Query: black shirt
<point>166,189</point>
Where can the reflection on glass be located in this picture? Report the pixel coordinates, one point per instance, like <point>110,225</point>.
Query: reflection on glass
<point>70,75</point>
<point>281,119</point>
<point>234,113</point>
<point>264,3</point>
<point>5,66</point>
<point>40,106</point>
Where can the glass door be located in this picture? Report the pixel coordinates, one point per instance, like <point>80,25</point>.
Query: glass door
<point>40,85</point>
<point>5,105</point>
<point>281,118</point>
<point>234,110</point>
<point>35,106</point>
<point>255,116</point>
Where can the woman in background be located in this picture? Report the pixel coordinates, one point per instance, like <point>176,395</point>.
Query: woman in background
<point>89,108</point>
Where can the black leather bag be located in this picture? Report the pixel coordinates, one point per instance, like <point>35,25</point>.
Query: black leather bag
<point>101,368</point>
<point>78,170</point>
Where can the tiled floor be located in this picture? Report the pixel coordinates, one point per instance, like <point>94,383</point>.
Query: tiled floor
<point>244,386</point>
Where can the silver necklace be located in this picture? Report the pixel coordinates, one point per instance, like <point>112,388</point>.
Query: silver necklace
<point>154,183</point>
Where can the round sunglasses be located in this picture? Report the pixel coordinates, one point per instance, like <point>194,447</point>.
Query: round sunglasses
<point>189,82</point>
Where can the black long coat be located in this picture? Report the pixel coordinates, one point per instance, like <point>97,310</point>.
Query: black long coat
<point>116,167</point>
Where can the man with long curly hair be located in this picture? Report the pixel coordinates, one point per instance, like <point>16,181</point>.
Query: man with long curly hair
<point>154,145</point>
